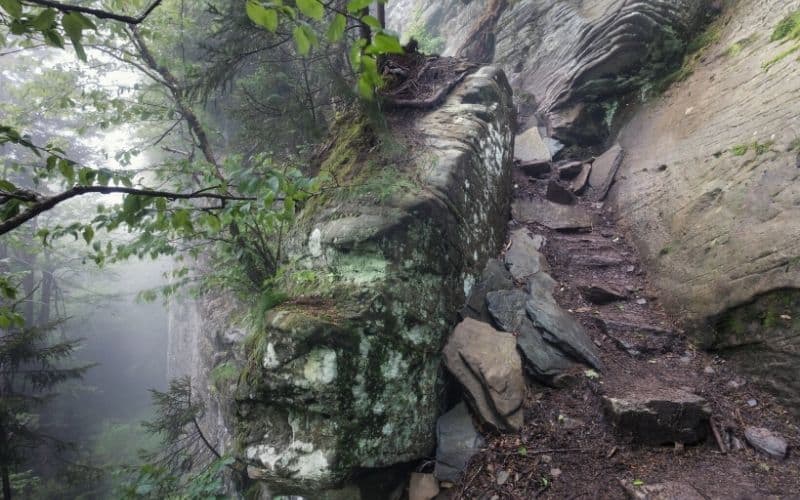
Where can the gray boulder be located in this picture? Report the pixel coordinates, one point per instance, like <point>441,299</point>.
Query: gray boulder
<point>659,416</point>
<point>523,258</point>
<point>456,442</point>
<point>766,442</point>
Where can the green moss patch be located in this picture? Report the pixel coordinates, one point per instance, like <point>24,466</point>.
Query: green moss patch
<point>788,28</point>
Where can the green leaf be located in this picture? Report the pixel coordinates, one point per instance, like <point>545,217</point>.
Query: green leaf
<point>311,8</point>
<point>522,451</point>
<point>44,20</point>
<point>67,170</point>
<point>371,21</point>
<point>88,234</point>
<point>12,7</point>
<point>53,39</point>
<point>365,89</point>
<point>267,18</point>
<point>638,482</point>
<point>7,186</point>
<point>301,41</point>
<point>385,44</point>
<point>337,28</point>
<point>357,5</point>
<point>74,24</point>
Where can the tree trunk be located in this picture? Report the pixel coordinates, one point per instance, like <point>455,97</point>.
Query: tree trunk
<point>6,482</point>
<point>382,15</point>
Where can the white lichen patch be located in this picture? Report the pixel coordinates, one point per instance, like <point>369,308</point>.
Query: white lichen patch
<point>469,283</point>
<point>394,367</point>
<point>270,358</point>
<point>315,243</point>
<point>320,366</point>
<point>299,459</point>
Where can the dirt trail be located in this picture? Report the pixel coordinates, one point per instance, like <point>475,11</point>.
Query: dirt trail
<point>568,449</point>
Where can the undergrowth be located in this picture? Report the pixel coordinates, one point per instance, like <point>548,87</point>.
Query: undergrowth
<point>788,30</point>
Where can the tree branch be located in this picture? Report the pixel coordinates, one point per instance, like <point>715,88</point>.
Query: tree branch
<point>45,204</point>
<point>100,14</point>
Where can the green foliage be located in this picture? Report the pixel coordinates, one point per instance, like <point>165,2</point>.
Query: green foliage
<point>788,28</point>
<point>737,47</point>
<point>154,482</point>
<point>27,22</point>
<point>694,52</point>
<point>759,148</point>
<point>305,14</point>
<point>428,44</point>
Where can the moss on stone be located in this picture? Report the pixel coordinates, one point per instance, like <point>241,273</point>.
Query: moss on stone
<point>788,28</point>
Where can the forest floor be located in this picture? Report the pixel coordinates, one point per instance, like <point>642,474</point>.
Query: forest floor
<point>568,449</point>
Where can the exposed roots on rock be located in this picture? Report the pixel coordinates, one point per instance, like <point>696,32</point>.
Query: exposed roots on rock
<point>418,81</point>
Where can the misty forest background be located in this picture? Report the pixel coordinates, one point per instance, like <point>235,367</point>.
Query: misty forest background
<point>136,137</point>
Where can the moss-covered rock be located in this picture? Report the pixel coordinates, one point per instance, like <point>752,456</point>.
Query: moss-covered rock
<point>347,376</point>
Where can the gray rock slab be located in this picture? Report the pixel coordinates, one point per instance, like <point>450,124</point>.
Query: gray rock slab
<point>559,194</point>
<point>668,490</point>
<point>487,364</point>
<point>552,215</point>
<point>529,147</point>
<point>537,169</point>
<point>543,361</point>
<point>570,170</point>
<point>560,328</point>
<point>766,442</point>
<point>495,276</point>
<point>604,170</point>
<point>659,416</point>
<point>601,294</point>
<point>523,258</point>
<point>456,442</point>
<point>581,181</point>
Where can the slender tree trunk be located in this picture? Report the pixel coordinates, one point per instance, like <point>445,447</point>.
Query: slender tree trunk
<point>382,15</point>
<point>6,482</point>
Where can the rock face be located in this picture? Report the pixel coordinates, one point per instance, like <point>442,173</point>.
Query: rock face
<point>570,61</point>
<point>344,376</point>
<point>486,363</point>
<point>659,416</point>
<point>719,227</point>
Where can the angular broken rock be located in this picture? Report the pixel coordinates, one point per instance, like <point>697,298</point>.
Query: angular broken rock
<point>560,328</point>
<point>604,170</point>
<point>570,170</point>
<point>422,487</point>
<point>552,215</point>
<point>523,258</point>
<point>529,147</point>
<point>598,294</point>
<point>487,364</point>
<point>537,169</point>
<point>659,416</point>
<point>559,194</point>
<point>495,276</point>
<point>766,442</point>
<point>543,361</point>
<point>579,183</point>
<point>669,490</point>
<point>456,442</point>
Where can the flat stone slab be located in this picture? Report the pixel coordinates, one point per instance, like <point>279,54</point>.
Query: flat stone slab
<point>668,490</point>
<point>581,181</point>
<point>601,294</point>
<point>542,360</point>
<point>456,442</point>
<point>659,416</point>
<point>560,328</point>
<point>487,364</point>
<point>537,169</point>
<point>570,170</point>
<point>495,276</point>
<point>530,147</point>
<point>604,170</point>
<point>552,215</point>
<point>523,258</point>
<point>559,194</point>
<point>766,442</point>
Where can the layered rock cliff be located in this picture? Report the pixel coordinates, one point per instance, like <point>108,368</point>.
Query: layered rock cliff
<point>346,376</point>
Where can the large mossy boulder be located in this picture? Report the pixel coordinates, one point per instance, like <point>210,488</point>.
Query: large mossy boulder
<point>347,375</point>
